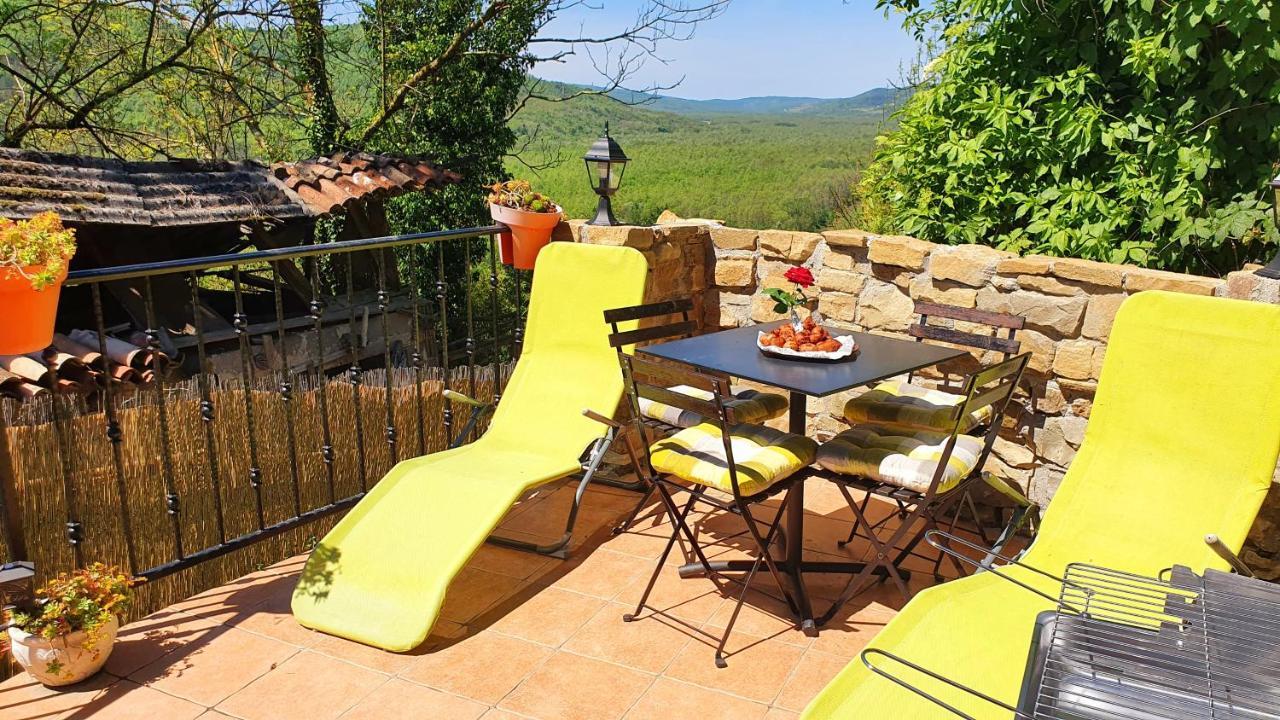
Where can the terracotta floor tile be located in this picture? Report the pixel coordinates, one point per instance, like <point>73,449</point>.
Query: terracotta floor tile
<point>145,641</point>
<point>673,699</point>
<point>370,658</point>
<point>758,668</point>
<point>274,619</point>
<point>812,674</point>
<point>500,714</point>
<point>22,697</point>
<point>761,616</point>
<point>474,591</point>
<point>509,561</point>
<point>780,714</point>
<point>307,686</point>
<point>209,670</point>
<point>603,574</point>
<point>550,617</point>
<point>403,700</point>
<point>127,700</point>
<point>693,600</point>
<point>237,599</point>
<point>647,644</point>
<point>572,687</point>
<point>484,667</point>
<point>215,715</point>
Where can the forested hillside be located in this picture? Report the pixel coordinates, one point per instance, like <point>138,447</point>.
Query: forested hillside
<point>784,170</point>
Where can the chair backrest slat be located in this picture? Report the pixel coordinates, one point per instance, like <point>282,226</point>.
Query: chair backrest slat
<point>640,312</point>
<point>991,397</point>
<point>656,332</point>
<point>973,315</point>
<point>999,371</point>
<point>652,372</point>
<point>959,337</point>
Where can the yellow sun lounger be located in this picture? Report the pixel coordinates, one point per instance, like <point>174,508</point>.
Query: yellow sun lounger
<point>380,576</point>
<point>1182,442</point>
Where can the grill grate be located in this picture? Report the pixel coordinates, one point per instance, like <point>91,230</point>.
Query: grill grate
<point>1184,647</point>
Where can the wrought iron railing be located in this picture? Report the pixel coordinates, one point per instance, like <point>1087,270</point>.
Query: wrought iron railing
<point>251,443</point>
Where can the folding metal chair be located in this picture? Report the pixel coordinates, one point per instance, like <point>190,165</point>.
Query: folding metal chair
<point>923,471</point>
<point>721,465</point>
<point>913,405</point>
<point>658,419</point>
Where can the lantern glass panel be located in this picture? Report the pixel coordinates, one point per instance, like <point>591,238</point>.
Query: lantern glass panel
<point>615,175</point>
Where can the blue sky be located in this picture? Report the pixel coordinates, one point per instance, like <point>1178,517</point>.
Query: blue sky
<point>820,48</point>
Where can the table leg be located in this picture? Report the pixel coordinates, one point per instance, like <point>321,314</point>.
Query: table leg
<point>797,419</point>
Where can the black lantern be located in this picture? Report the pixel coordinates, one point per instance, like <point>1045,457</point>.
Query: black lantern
<point>1273,270</point>
<point>605,165</point>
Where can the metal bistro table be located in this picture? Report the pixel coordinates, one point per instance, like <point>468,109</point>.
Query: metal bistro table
<point>734,353</point>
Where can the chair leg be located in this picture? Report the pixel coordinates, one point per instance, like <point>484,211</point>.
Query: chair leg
<point>853,531</point>
<point>678,526</point>
<point>764,545</point>
<point>634,515</point>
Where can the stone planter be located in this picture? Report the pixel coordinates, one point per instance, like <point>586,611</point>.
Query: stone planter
<point>65,660</point>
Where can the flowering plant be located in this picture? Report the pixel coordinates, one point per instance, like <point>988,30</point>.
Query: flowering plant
<point>519,194</point>
<point>786,300</point>
<point>83,600</point>
<point>37,249</point>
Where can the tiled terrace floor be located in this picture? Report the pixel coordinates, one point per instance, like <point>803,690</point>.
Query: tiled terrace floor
<point>521,637</point>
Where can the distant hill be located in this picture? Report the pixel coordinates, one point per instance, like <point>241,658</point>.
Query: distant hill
<point>875,100</point>
<point>878,101</point>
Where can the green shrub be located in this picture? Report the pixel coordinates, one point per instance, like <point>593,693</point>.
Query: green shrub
<point>1117,130</point>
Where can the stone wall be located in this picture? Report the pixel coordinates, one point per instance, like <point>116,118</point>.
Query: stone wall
<point>869,282</point>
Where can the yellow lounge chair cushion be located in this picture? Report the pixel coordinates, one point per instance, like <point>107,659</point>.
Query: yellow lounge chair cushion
<point>749,406</point>
<point>908,405</point>
<point>898,456</point>
<point>763,456</point>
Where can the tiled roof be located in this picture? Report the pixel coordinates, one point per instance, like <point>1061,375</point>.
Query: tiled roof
<point>328,183</point>
<point>90,190</point>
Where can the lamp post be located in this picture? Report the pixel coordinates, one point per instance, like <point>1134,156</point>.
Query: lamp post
<point>605,164</point>
<point>1273,270</point>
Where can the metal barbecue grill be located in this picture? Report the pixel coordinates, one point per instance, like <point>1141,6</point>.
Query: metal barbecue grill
<point>1126,647</point>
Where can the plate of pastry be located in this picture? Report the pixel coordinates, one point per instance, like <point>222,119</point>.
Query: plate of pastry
<point>810,342</point>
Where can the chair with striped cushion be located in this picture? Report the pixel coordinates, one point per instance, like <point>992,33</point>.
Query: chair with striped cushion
<point>910,404</point>
<point>925,472</point>
<point>670,320</point>
<point>721,464</point>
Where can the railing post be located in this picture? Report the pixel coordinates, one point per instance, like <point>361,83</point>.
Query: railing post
<point>14,537</point>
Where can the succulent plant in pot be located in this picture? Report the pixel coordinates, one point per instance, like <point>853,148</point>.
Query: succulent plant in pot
<point>531,217</point>
<point>67,633</point>
<point>34,255</point>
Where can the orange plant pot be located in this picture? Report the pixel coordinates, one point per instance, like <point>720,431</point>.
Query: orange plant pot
<point>28,314</point>
<point>530,231</point>
<point>506,248</point>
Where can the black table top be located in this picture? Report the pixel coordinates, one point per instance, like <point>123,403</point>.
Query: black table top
<point>734,353</point>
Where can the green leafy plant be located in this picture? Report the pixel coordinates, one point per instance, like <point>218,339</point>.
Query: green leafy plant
<point>84,600</point>
<point>37,249</point>
<point>519,194</point>
<point>1116,130</point>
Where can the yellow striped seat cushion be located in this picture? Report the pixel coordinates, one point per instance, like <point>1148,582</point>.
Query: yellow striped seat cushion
<point>903,404</point>
<point>898,456</point>
<point>763,456</point>
<point>749,406</point>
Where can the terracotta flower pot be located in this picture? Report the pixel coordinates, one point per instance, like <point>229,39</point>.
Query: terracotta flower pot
<point>28,313</point>
<point>64,660</point>
<point>530,231</point>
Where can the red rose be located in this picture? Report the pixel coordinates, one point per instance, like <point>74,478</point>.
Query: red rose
<point>800,276</point>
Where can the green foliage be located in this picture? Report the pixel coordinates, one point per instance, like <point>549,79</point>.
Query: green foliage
<point>37,249</point>
<point>788,172</point>
<point>84,600</point>
<point>1117,130</point>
